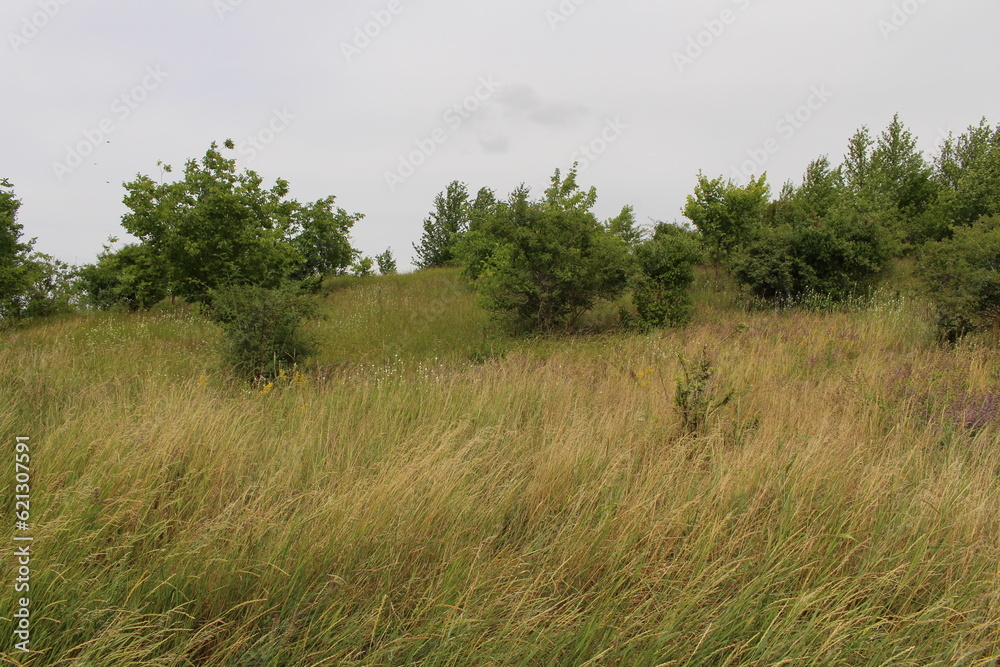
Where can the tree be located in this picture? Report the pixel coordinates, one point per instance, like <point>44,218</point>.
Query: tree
<point>474,247</point>
<point>899,170</point>
<point>624,227</point>
<point>857,164</point>
<point>888,181</point>
<point>15,264</point>
<point>217,227</point>
<point>130,276</point>
<point>968,169</point>
<point>550,260</point>
<point>364,267</point>
<point>443,227</point>
<point>725,213</point>
<point>386,263</point>
<point>321,235</point>
<point>962,277</point>
<point>52,287</point>
<point>666,272</point>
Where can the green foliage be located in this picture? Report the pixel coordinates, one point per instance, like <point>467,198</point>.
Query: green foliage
<point>15,267</point>
<point>262,328</point>
<point>837,257</point>
<point>889,181</point>
<point>321,235</point>
<point>364,267</point>
<point>857,163</point>
<point>53,287</point>
<point>900,173</point>
<point>726,214</point>
<point>962,277</point>
<point>968,168</point>
<point>822,191</point>
<point>475,246</point>
<point>699,392</point>
<point>217,227</point>
<point>666,272</point>
<point>386,263</point>
<point>128,277</point>
<point>624,227</point>
<point>442,229</point>
<point>551,260</point>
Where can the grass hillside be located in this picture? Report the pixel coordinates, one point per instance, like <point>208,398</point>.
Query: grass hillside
<point>429,492</point>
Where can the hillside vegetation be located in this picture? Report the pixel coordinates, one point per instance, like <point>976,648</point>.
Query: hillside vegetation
<point>430,492</point>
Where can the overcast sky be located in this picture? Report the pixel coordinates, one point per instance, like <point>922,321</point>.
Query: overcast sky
<point>383,103</point>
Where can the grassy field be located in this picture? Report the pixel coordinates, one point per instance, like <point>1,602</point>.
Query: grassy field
<point>428,492</point>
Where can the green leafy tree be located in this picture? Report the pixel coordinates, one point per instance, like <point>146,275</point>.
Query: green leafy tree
<point>903,180</point>
<point>364,267</point>
<point>550,260</point>
<point>476,245</point>
<point>53,287</point>
<point>888,180</point>
<point>130,276</point>
<point>968,169</point>
<point>624,227</point>
<point>857,164</point>
<point>15,265</point>
<point>217,227</point>
<point>962,277</point>
<point>662,293</point>
<point>386,263</point>
<point>321,235</point>
<point>727,214</point>
<point>443,227</point>
<point>821,191</point>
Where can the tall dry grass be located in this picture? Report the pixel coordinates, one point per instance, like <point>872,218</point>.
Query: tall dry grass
<point>545,507</point>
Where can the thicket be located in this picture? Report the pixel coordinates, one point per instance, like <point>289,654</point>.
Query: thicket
<point>962,277</point>
<point>662,286</point>
<point>540,264</point>
<point>263,329</point>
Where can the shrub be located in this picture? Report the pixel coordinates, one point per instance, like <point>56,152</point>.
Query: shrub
<point>386,263</point>
<point>838,257</point>
<point>127,277</point>
<point>666,273</point>
<point>53,288</point>
<point>364,267</point>
<point>699,392</point>
<point>263,329</point>
<point>548,261</point>
<point>962,277</point>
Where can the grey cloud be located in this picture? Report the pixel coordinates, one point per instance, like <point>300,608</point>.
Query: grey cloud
<point>494,143</point>
<point>521,100</point>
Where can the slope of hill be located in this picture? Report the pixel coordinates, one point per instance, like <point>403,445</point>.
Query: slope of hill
<point>427,492</point>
